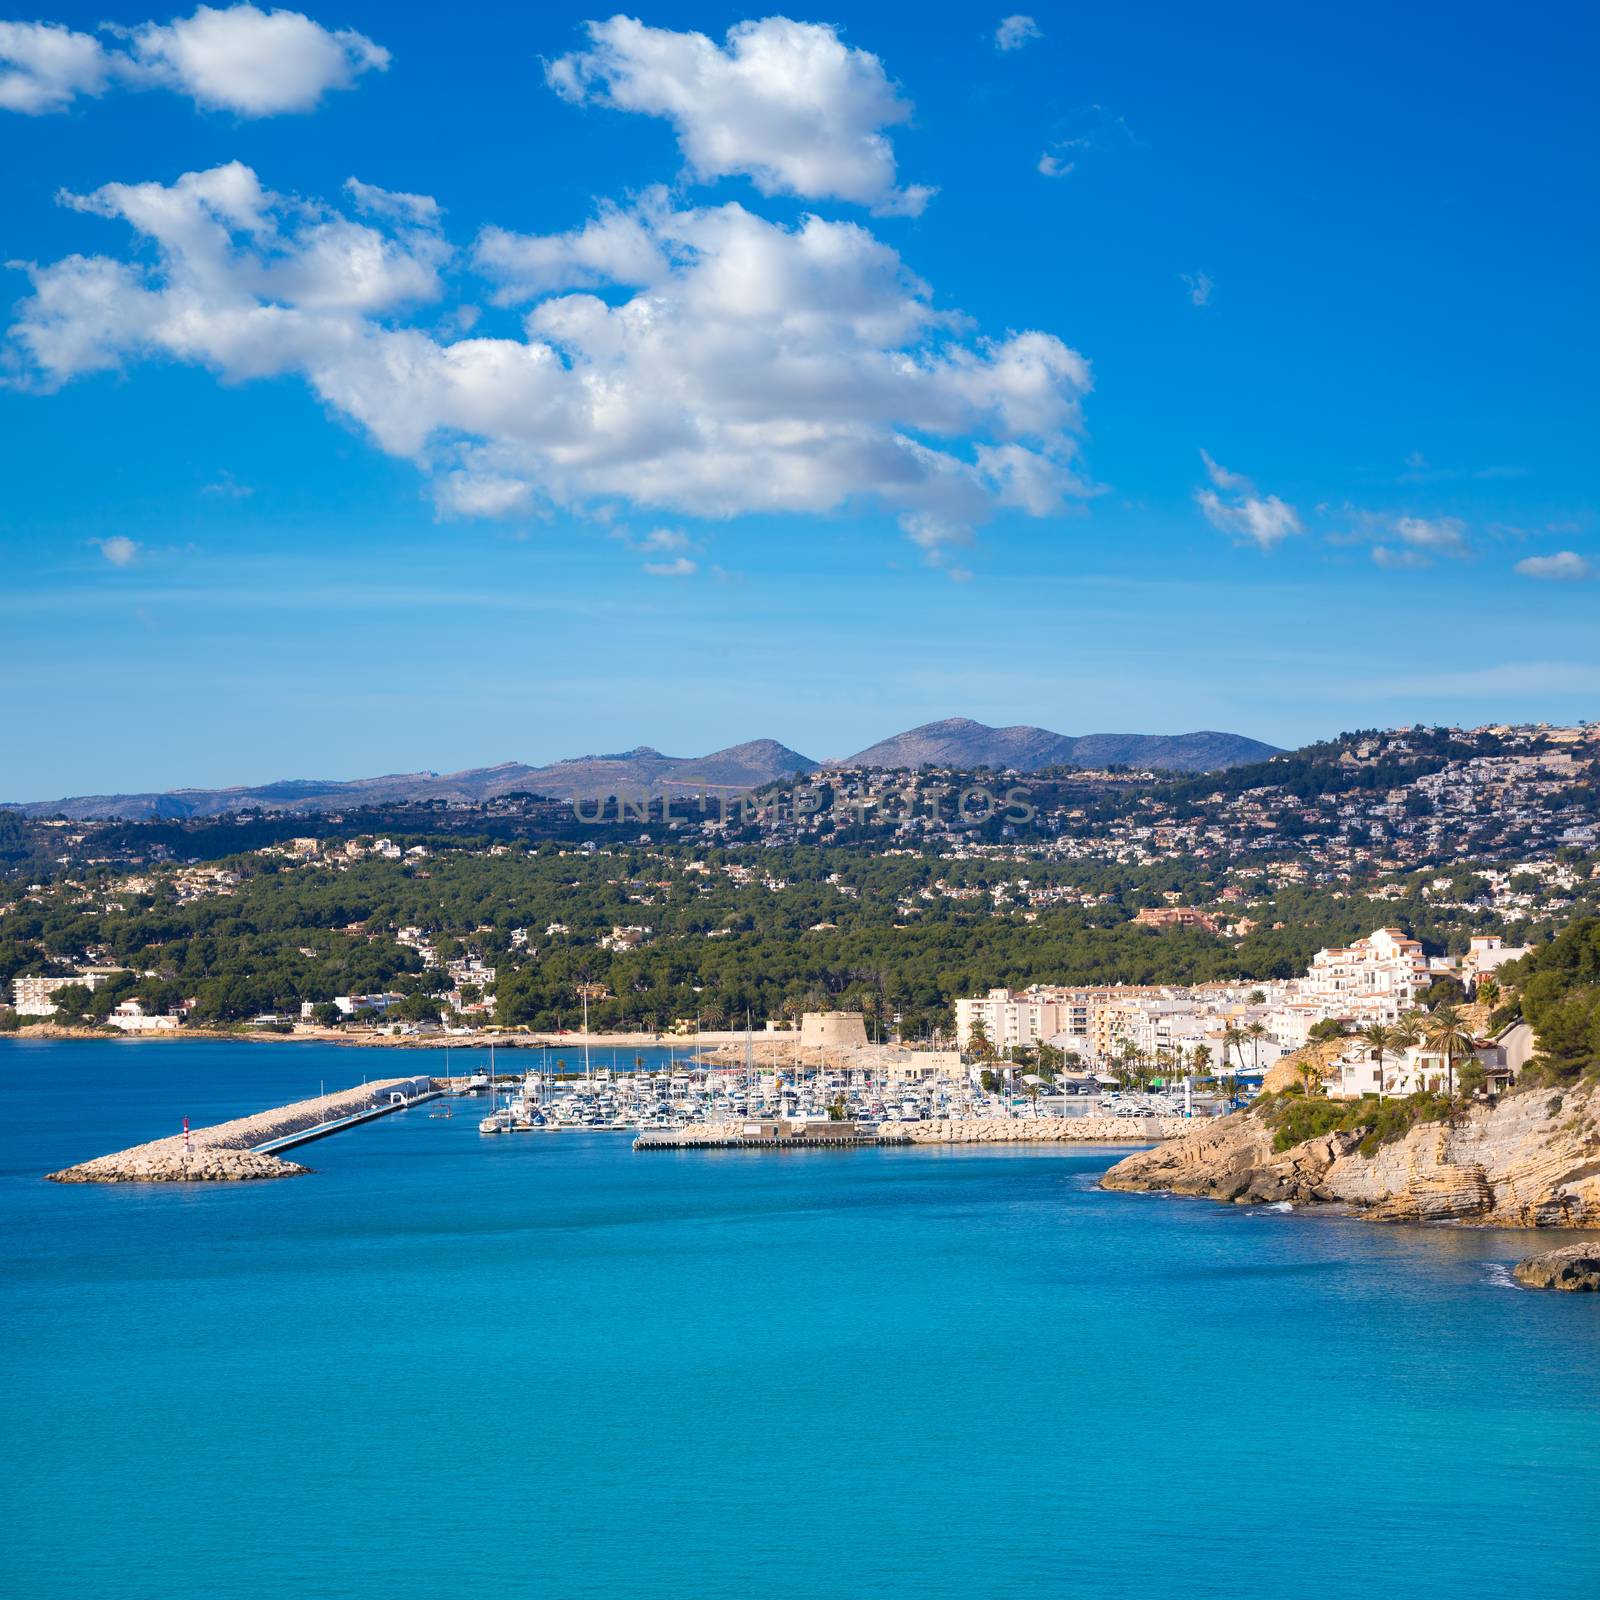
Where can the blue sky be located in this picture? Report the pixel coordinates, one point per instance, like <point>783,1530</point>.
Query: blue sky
<point>1236,375</point>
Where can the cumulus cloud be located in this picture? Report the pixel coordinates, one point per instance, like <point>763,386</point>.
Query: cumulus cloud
<point>119,550</point>
<point>613,247</point>
<point>1199,286</point>
<point>1233,506</point>
<point>787,104</point>
<point>257,63</point>
<point>1014,32</point>
<point>1053,165</point>
<point>681,567</point>
<point>1565,566</point>
<point>44,67</point>
<point>239,58</point>
<point>762,367</point>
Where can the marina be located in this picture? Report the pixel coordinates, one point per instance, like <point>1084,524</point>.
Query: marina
<point>931,1314</point>
<point>666,1105</point>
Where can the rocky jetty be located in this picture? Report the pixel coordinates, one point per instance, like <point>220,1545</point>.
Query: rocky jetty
<point>1040,1130</point>
<point>1532,1160</point>
<point>1574,1267</point>
<point>225,1152</point>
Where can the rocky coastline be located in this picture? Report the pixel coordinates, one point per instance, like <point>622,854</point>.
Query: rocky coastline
<point>1574,1268</point>
<point>1531,1160</point>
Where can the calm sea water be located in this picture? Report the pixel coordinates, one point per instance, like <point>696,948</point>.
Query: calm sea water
<point>545,1365</point>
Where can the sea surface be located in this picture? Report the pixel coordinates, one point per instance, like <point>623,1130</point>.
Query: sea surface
<point>544,1365</point>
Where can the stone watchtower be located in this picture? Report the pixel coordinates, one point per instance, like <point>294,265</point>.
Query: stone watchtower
<point>832,1030</point>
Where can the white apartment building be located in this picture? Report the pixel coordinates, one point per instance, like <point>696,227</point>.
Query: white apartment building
<point>33,996</point>
<point>1010,1018</point>
<point>1486,953</point>
<point>1373,980</point>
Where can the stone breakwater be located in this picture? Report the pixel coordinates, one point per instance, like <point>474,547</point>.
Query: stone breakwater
<point>1532,1160</point>
<point>1042,1130</point>
<point>225,1152</point>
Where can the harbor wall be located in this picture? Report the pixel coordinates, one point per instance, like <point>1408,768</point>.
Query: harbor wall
<point>1043,1130</point>
<point>225,1151</point>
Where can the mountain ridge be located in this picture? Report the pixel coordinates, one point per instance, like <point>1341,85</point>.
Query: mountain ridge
<point>956,741</point>
<point>961,742</point>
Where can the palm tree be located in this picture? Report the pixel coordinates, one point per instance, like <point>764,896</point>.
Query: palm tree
<point>1385,1040</point>
<point>1255,1033</point>
<point>1408,1030</point>
<point>1310,1069</point>
<point>1233,1039</point>
<point>1447,1032</point>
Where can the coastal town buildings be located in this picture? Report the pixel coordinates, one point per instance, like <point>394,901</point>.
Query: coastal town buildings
<point>1247,1026</point>
<point>34,996</point>
<point>131,1016</point>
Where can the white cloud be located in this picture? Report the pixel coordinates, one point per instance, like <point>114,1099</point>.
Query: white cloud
<point>1392,560</point>
<point>764,368</point>
<point>1239,511</point>
<point>1199,285</point>
<point>665,539</point>
<point>419,210</point>
<point>615,246</point>
<point>44,67</point>
<point>1095,131</point>
<point>119,550</point>
<point>683,567</point>
<point>480,494</point>
<point>1014,32</point>
<point>787,104</point>
<point>1445,536</point>
<point>257,63</point>
<point>1565,566</point>
<point>241,59</point>
<point>224,486</point>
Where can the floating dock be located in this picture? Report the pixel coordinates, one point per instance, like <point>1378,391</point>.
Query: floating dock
<point>248,1148</point>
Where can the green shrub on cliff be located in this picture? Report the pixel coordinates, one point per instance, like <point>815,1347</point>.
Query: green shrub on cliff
<point>1560,991</point>
<point>1294,1119</point>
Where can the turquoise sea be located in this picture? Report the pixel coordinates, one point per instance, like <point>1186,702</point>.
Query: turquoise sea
<point>544,1365</point>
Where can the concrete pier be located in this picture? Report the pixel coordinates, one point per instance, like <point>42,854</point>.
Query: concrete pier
<point>242,1150</point>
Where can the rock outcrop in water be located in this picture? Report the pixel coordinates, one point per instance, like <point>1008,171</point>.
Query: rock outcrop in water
<point>224,1152</point>
<point>1574,1267</point>
<point>1530,1161</point>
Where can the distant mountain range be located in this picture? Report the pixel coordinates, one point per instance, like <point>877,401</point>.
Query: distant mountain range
<point>956,742</point>
<point>960,742</point>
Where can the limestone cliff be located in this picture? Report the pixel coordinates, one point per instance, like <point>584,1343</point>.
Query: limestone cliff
<point>1530,1161</point>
